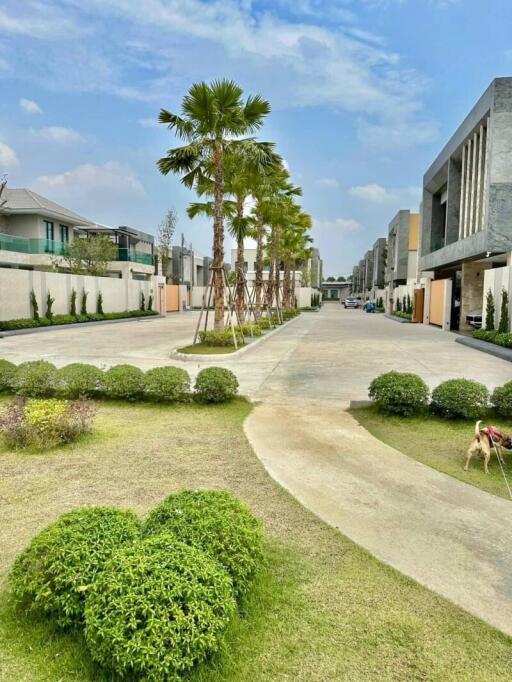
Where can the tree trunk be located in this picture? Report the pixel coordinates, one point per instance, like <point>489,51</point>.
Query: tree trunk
<point>286,284</point>
<point>275,258</point>
<point>270,286</point>
<point>240,276</point>
<point>259,265</point>
<point>218,239</point>
<point>293,283</point>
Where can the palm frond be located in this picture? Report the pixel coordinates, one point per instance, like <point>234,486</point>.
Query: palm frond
<point>181,127</point>
<point>255,109</point>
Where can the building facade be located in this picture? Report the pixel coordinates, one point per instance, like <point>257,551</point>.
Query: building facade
<point>467,207</point>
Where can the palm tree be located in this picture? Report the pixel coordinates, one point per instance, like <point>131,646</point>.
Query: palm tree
<point>213,120</point>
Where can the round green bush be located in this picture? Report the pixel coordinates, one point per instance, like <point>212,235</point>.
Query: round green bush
<point>165,384</point>
<point>35,379</point>
<point>399,393</point>
<point>7,370</point>
<point>215,385</point>
<point>54,573</point>
<point>217,523</point>
<point>80,381</point>
<point>124,382</point>
<point>460,399</point>
<point>158,609</point>
<point>501,399</point>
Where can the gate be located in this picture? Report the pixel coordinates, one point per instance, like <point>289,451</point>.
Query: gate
<point>173,298</point>
<point>419,302</point>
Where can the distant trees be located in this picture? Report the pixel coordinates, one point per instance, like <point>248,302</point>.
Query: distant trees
<point>91,255</point>
<point>164,235</point>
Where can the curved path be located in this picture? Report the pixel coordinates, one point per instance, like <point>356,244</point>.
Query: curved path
<point>451,537</point>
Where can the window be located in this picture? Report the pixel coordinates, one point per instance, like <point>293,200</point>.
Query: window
<point>49,236</point>
<point>64,234</point>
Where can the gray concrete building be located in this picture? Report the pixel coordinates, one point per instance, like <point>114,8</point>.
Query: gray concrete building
<point>379,263</point>
<point>398,249</point>
<point>467,201</point>
<point>368,270</point>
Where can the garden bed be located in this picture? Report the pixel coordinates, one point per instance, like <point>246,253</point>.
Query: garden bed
<point>28,326</point>
<point>323,609</point>
<point>395,318</point>
<point>439,443</point>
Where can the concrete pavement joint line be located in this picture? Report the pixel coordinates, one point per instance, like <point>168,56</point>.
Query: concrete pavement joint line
<point>449,536</point>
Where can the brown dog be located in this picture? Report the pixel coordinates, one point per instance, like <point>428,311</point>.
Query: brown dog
<point>483,441</point>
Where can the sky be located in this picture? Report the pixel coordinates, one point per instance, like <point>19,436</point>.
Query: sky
<point>364,95</point>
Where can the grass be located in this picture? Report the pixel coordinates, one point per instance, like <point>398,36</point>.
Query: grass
<point>322,609</point>
<point>439,443</point>
<point>204,349</point>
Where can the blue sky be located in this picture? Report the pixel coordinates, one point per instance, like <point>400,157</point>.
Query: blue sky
<point>364,95</point>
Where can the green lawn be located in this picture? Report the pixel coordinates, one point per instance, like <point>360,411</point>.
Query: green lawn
<point>441,444</point>
<point>203,349</point>
<point>323,609</point>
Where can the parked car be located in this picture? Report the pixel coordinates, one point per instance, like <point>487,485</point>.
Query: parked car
<point>474,319</point>
<point>351,303</point>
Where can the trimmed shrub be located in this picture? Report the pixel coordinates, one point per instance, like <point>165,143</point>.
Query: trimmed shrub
<point>215,385</point>
<point>83,304</point>
<point>490,311</point>
<point>53,575</point>
<point>124,382</point>
<point>264,323</point>
<point>501,399</point>
<point>164,384</point>
<point>225,338</point>
<point>50,300</point>
<point>7,371</point>
<point>34,305</point>
<point>35,379</point>
<point>485,335</point>
<point>99,303</point>
<point>217,523</point>
<point>460,399</point>
<point>43,423</point>
<point>399,393</point>
<point>247,327</point>
<point>157,610</point>
<point>72,306</point>
<point>80,381</point>
<point>503,339</point>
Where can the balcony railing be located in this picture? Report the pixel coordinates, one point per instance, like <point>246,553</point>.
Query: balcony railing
<point>10,242</point>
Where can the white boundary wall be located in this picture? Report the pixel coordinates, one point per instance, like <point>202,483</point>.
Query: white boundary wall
<point>118,294</point>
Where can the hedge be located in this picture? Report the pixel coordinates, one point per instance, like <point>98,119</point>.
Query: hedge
<point>399,393</point>
<point>29,323</point>
<point>460,399</point>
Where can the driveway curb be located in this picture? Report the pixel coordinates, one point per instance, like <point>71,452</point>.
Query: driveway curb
<point>402,320</point>
<point>191,357</point>
<point>486,347</point>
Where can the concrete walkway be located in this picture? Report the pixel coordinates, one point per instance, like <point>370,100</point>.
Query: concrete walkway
<point>451,537</point>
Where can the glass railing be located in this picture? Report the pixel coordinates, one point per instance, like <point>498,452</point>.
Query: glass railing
<point>135,256</point>
<point>10,242</point>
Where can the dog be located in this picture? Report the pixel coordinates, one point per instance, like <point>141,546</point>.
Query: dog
<point>484,441</point>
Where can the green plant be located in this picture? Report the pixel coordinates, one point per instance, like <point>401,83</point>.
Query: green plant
<point>158,608</point>
<point>99,303</point>
<point>72,307</point>
<point>34,305</point>
<point>43,423</point>
<point>150,302</point>
<point>504,340</point>
<point>91,255</point>
<point>504,323</point>
<point>49,305</point>
<point>485,335</point>
<point>83,305</point>
<point>80,381</point>
<point>164,384</point>
<point>264,323</point>
<point>216,522</point>
<point>250,329</point>
<point>55,572</point>
<point>225,338</point>
<point>36,379</point>
<point>501,399</point>
<point>490,311</point>
<point>215,385</point>
<point>460,399</point>
<point>7,371</point>
<point>142,301</point>
<point>398,305</point>
<point>124,382</point>
<point>399,393</point>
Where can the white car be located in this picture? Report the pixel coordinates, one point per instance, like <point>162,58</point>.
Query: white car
<point>351,303</point>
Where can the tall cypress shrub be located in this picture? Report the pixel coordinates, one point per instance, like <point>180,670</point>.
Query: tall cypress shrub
<point>504,324</point>
<point>489,315</point>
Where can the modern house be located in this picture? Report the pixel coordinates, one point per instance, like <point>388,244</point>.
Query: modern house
<point>35,232</point>
<point>466,229</point>
<point>368,271</point>
<point>379,251</point>
<point>402,257</point>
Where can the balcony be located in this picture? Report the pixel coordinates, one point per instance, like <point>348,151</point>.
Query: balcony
<point>50,247</point>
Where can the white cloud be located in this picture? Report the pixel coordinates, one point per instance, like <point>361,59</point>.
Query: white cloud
<point>377,194</point>
<point>111,179</point>
<point>327,182</point>
<point>149,122</point>
<point>58,134</point>
<point>338,224</point>
<point>30,106</point>
<point>8,157</point>
<point>35,19</point>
